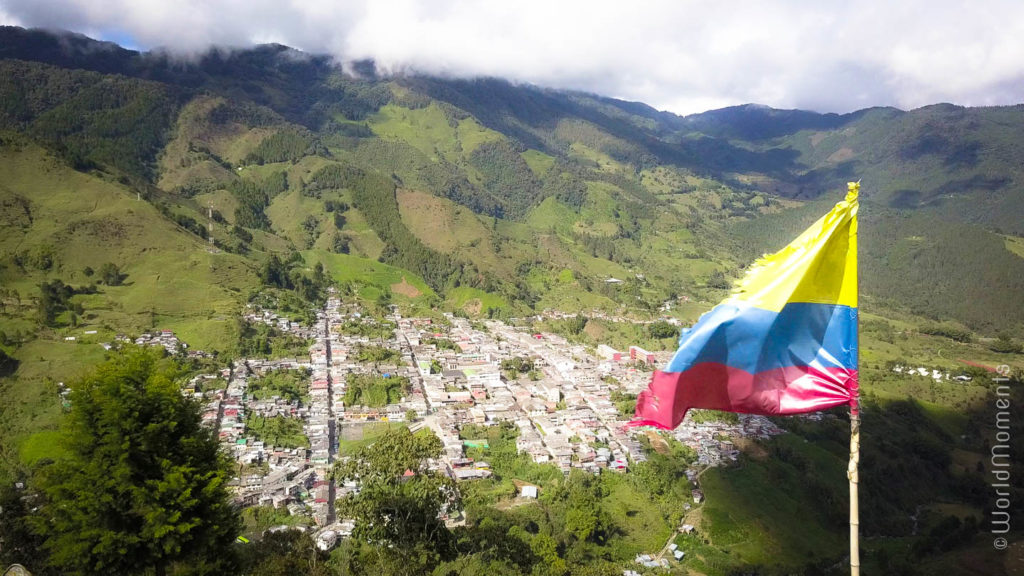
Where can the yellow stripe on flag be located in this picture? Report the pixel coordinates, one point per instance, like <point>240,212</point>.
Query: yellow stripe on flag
<point>819,267</point>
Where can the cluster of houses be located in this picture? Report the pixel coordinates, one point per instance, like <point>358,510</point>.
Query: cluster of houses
<point>163,338</point>
<point>562,407</point>
<point>647,561</point>
<point>711,439</point>
<point>257,314</point>
<point>292,477</point>
<point>932,373</point>
<point>267,475</point>
<point>320,425</point>
<point>551,314</point>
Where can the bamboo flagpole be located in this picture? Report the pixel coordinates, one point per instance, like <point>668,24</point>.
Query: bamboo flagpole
<point>852,473</point>
<point>854,477</point>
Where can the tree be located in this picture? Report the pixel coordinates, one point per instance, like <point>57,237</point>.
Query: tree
<point>383,303</point>
<point>517,364</point>
<point>275,273</point>
<point>311,226</point>
<point>340,244</point>
<point>661,329</point>
<point>54,298</point>
<point>576,324</point>
<point>400,500</point>
<point>8,365</point>
<point>718,280</point>
<point>1004,344</point>
<point>142,484</point>
<point>110,274</point>
<point>319,278</point>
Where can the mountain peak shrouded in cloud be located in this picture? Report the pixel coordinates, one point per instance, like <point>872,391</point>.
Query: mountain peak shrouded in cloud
<point>681,56</point>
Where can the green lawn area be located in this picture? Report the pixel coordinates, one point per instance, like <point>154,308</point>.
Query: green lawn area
<point>551,214</point>
<point>42,444</point>
<point>290,384</point>
<point>430,131</point>
<point>374,390</point>
<point>31,407</point>
<point>279,431</point>
<point>356,436</point>
<point>171,280</point>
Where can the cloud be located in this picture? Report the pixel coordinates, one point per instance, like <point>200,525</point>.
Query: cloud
<point>6,19</point>
<point>685,56</point>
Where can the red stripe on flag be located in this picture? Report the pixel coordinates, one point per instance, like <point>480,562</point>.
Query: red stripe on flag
<point>782,391</point>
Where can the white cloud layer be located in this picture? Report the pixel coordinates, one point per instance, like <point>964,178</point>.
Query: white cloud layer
<point>685,55</point>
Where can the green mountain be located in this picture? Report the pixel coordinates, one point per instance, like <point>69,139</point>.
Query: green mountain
<point>191,187</point>
<point>554,180</point>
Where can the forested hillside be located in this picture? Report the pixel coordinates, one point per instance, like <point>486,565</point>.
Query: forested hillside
<point>564,181</point>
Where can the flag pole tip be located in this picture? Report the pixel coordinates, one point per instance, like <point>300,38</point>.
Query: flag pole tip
<point>853,190</point>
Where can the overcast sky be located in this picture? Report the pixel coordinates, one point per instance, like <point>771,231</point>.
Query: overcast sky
<point>684,56</point>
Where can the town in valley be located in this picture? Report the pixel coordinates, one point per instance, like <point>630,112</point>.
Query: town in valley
<point>446,375</point>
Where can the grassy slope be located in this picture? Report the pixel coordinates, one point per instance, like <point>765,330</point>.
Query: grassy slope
<point>183,161</point>
<point>172,281</point>
<point>448,227</point>
<point>433,132</point>
<point>539,162</point>
<point>474,300</point>
<point>417,139</point>
<point>87,222</point>
<point>962,162</point>
<point>749,516</point>
<point>370,276</point>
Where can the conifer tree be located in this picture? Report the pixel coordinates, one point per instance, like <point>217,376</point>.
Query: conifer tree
<point>142,484</point>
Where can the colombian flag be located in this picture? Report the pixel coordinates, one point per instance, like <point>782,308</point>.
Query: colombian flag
<point>785,341</point>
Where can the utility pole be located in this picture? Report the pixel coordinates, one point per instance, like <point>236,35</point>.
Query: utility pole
<point>209,224</point>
